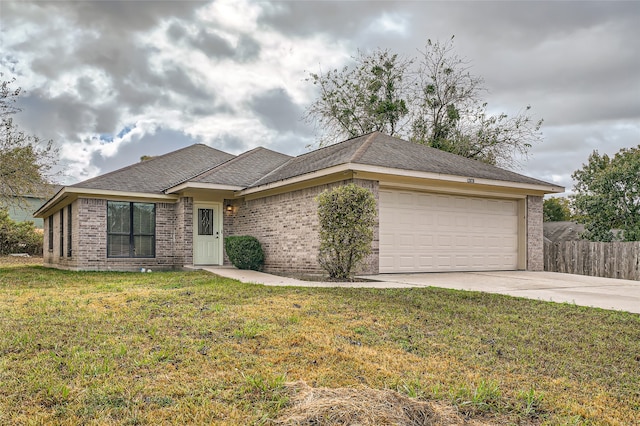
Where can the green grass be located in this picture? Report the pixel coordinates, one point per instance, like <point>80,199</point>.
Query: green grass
<point>191,348</point>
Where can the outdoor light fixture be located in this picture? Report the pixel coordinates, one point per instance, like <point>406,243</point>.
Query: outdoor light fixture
<point>229,208</point>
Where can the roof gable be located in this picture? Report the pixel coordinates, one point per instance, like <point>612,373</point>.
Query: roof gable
<point>159,173</point>
<point>244,169</point>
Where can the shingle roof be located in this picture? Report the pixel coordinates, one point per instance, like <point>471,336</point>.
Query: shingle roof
<point>261,166</point>
<point>159,173</point>
<point>377,149</point>
<point>244,169</point>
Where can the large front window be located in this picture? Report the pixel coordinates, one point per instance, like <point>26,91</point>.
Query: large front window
<point>131,229</point>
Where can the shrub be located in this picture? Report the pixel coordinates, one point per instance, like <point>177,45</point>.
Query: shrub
<point>347,214</point>
<point>245,252</point>
<point>18,237</point>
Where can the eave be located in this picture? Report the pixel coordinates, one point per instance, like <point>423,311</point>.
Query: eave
<point>201,185</point>
<point>387,174</point>
<point>69,194</point>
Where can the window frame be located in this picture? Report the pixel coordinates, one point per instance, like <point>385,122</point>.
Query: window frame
<point>131,233</point>
<point>50,233</point>
<point>61,233</point>
<point>69,230</point>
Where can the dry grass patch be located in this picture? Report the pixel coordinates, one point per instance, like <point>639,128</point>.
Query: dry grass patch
<point>192,348</point>
<point>365,407</point>
<point>19,261</point>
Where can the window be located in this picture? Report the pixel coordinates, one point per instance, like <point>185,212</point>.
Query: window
<point>62,233</point>
<point>205,221</point>
<point>50,233</point>
<point>69,230</point>
<point>131,229</point>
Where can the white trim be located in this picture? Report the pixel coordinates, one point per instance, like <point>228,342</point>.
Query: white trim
<point>456,178</point>
<point>201,185</point>
<point>435,189</point>
<point>404,173</point>
<point>75,193</point>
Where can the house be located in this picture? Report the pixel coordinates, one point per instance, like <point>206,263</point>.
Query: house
<point>21,208</point>
<point>436,211</point>
<point>560,232</point>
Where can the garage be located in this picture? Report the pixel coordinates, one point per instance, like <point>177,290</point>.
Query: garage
<point>430,232</point>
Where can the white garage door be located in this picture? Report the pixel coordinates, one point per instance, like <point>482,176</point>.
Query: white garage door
<point>424,232</point>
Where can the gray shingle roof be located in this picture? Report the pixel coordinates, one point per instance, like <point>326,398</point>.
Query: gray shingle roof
<point>261,166</point>
<point>244,169</point>
<point>159,173</point>
<point>377,149</point>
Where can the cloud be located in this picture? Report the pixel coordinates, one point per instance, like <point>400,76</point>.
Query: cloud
<point>230,73</point>
<point>157,143</point>
<point>277,111</point>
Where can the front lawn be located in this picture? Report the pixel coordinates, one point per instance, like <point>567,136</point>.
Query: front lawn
<point>191,348</point>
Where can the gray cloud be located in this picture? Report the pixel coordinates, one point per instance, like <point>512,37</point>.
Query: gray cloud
<point>212,44</point>
<point>161,142</point>
<point>122,15</point>
<point>339,19</point>
<point>277,111</point>
<point>62,117</point>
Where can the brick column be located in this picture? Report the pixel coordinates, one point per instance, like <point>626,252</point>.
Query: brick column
<point>535,236</point>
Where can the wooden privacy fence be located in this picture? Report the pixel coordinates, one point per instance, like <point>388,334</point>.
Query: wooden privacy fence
<point>609,260</point>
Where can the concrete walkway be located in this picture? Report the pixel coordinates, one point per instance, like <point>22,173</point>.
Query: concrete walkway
<point>606,293</point>
<point>256,277</point>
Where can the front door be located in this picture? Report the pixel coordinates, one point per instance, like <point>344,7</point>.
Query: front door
<point>207,235</point>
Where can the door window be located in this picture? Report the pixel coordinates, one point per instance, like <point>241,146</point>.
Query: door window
<point>205,221</point>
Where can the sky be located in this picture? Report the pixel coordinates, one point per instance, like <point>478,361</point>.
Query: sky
<point>110,81</point>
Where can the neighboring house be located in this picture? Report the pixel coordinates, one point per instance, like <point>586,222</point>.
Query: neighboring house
<point>559,232</point>
<point>436,211</point>
<point>22,210</point>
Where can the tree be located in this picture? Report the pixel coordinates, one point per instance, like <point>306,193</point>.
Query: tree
<point>25,160</point>
<point>346,214</point>
<point>556,209</point>
<point>433,100</point>
<point>607,195</point>
<point>18,237</point>
<point>372,96</point>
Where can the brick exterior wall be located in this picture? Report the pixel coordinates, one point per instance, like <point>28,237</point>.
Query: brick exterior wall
<point>285,224</point>
<point>89,239</point>
<point>535,238</point>
<point>55,257</point>
<point>287,227</point>
<point>184,231</point>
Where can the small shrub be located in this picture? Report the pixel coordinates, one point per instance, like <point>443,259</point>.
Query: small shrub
<point>346,214</point>
<point>245,252</point>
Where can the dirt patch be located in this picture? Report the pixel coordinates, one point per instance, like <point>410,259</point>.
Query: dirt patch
<point>364,407</point>
<point>320,278</point>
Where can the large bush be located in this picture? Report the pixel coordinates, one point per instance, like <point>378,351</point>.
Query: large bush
<point>347,214</point>
<point>18,237</point>
<point>244,252</point>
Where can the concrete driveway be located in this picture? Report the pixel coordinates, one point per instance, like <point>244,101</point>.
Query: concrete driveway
<point>606,293</point>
